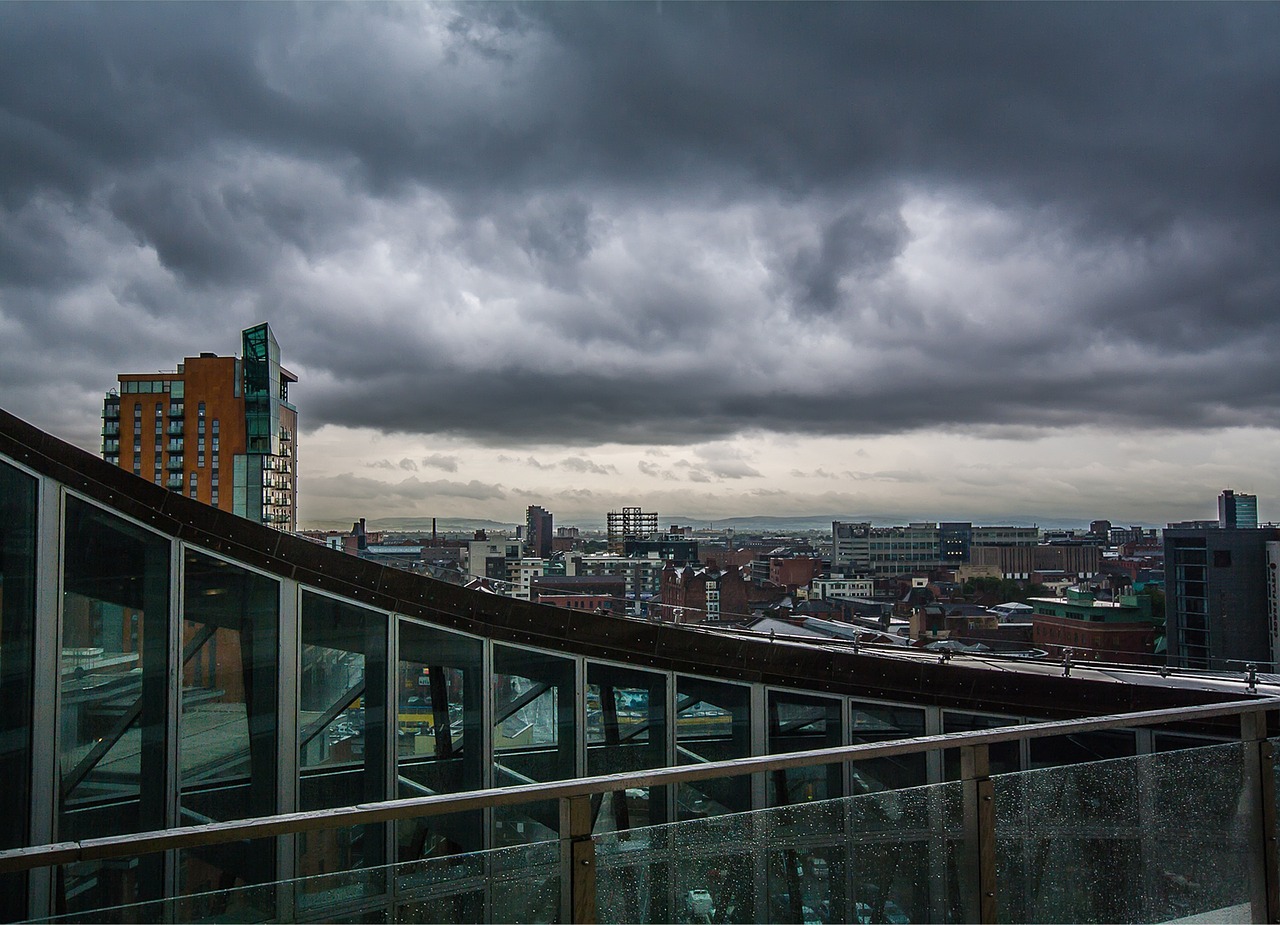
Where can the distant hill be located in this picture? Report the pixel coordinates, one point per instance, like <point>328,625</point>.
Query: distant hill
<point>415,525</point>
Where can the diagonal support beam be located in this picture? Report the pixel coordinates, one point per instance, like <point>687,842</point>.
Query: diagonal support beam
<point>331,714</point>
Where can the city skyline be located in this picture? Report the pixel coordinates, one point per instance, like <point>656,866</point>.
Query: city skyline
<point>961,260</point>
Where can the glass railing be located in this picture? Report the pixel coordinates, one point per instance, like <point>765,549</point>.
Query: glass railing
<point>1183,835</point>
<point>1155,838</point>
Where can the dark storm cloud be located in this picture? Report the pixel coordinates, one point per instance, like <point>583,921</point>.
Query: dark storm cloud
<point>654,223</point>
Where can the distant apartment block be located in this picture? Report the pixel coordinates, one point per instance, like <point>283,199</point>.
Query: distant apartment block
<point>630,523</point>
<point>642,577</point>
<point>864,550</point>
<point>217,429</point>
<point>538,532</point>
<point>494,559</point>
<point>1237,511</point>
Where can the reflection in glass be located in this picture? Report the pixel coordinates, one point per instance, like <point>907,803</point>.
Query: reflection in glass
<point>1003,755</point>
<point>342,730</point>
<point>114,700</point>
<point>533,736</point>
<point>626,731</point>
<point>875,722</point>
<point>227,724</point>
<point>1081,747</point>
<point>713,723</point>
<point>800,722</point>
<point>438,737</point>
<point>17,624</point>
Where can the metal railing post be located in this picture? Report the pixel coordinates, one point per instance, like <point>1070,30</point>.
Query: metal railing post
<point>577,861</point>
<point>1264,894</point>
<point>979,829</point>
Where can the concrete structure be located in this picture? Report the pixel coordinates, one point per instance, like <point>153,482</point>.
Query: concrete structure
<point>630,523</point>
<point>217,429</point>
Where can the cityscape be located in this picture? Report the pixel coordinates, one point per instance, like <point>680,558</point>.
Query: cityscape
<point>639,462</point>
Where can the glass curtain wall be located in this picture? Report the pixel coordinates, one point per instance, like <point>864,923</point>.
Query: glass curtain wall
<point>713,723</point>
<point>17,627</point>
<point>626,731</point>
<point>534,737</point>
<point>439,737</point>
<point>227,727</point>
<point>342,735</point>
<point>114,701</point>
<point>876,722</point>
<point>796,723</point>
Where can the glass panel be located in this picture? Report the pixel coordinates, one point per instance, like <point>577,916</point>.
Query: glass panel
<point>17,626</point>
<point>227,726</point>
<point>799,722</point>
<point>713,723</point>
<point>114,700</point>
<point>626,731</point>
<point>438,737</point>
<point>519,884</point>
<point>886,857</point>
<point>342,732</point>
<point>1144,839</point>
<point>1082,747</point>
<point>876,722</point>
<point>533,736</point>
<point>1004,755</point>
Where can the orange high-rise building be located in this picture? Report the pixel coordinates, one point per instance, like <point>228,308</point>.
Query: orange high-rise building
<point>218,429</point>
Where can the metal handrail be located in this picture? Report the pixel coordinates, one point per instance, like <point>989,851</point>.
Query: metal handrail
<point>19,859</point>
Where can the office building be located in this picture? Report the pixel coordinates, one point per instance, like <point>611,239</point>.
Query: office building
<point>219,429</point>
<point>1237,511</point>
<point>1216,596</point>
<point>863,550</point>
<point>601,758</point>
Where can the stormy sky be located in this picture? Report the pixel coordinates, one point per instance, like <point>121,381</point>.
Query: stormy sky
<point>900,260</point>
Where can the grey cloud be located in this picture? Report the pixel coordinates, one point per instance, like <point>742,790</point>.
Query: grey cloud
<point>410,489</point>
<point>438,461</point>
<point>578,464</point>
<point>408,464</point>
<point>889,475</point>
<point>608,222</point>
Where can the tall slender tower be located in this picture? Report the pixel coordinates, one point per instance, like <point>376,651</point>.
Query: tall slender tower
<point>218,429</point>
